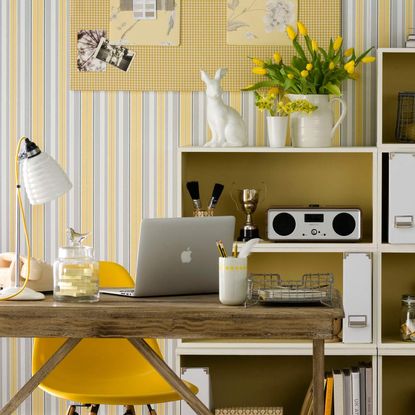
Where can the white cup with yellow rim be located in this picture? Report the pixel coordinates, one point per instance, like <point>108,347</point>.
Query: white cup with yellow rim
<point>233,280</point>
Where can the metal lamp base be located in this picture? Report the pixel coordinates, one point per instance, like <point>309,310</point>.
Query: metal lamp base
<point>26,295</point>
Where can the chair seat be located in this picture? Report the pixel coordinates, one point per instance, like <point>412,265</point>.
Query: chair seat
<point>108,380</point>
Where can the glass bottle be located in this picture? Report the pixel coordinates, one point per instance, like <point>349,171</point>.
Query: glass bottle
<point>408,318</point>
<point>75,274</point>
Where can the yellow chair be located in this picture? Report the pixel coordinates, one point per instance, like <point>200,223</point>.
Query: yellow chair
<point>104,371</point>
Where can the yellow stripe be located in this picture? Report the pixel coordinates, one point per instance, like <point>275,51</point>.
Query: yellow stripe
<point>87,170</point>
<point>235,100</point>
<point>186,119</point>
<point>160,153</point>
<point>260,131</point>
<point>384,23</point>
<point>358,84</point>
<point>408,15</point>
<point>112,133</point>
<point>13,115</point>
<point>37,115</point>
<point>62,88</point>
<point>135,176</point>
<point>14,369</point>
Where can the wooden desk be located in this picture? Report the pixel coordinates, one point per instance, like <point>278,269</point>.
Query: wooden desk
<point>187,317</point>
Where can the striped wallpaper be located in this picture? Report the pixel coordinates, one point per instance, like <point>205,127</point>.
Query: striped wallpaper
<point>120,148</point>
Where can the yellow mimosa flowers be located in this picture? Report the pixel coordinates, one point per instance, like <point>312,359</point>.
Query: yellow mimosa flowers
<point>258,62</point>
<point>348,52</point>
<point>368,59</point>
<point>258,70</point>
<point>277,58</point>
<point>309,66</point>
<point>291,32</point>
<point>337,43</point>
<point>273,91</point>
<point>349,67</point>
<point>302,29</point>
<point>331,65</point>
<point>290,76</point>
<point>314,45</point>
<point>304,74</point>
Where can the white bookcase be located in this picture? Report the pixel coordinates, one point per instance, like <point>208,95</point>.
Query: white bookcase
<point>337,175</point>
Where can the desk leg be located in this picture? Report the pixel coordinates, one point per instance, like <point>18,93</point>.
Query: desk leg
<point>34,381</point>
<point>168,374</point>
<point>318,377</point>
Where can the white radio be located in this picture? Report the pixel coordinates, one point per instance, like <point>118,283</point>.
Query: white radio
<point>313,223</point>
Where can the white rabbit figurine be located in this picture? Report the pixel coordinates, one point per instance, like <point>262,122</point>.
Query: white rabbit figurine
<point>226,124</point>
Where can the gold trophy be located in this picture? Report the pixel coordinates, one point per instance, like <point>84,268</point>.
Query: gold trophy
<point>246,201</point>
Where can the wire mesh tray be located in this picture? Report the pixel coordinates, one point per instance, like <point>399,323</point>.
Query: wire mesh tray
<point>308,289</point>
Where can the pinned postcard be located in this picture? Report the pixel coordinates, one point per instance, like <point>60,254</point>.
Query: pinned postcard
<point>260,22</point>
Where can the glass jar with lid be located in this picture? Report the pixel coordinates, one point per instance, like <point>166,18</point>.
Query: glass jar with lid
<point>75,275</point>
<point>408,318</point>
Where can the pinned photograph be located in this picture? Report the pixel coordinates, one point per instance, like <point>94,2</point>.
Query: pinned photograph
<point>115,55</point>
<point>88,41</point>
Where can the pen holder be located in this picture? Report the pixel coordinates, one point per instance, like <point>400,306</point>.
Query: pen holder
<point>201,213</point>
<point>233,280</point>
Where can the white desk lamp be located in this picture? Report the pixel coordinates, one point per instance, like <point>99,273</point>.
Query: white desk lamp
<point>44,180</point>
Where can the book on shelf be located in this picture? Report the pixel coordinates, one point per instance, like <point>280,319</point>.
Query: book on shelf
<point>369,388</point>
<point>307,408</point>
<point>362,373</point>
<point>328,402</point>
<point>338,397</point>
<point>347,391</point>
<point>355,375</point>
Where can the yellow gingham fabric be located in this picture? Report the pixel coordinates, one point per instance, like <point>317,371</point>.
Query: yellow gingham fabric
<point>202,46</point>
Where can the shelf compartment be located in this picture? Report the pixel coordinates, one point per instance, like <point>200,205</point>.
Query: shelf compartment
<point>397,394</point>
<point>395,75</point>
<point>263,380</point>
<point>398,271</point>
<point>292,179</point>
<point>395,346</point>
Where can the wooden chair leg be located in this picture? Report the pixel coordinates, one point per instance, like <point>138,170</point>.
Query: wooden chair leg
<point>151,411</point>
<point>129,410</point>
<point>93,410</point>
<point>72,410</point>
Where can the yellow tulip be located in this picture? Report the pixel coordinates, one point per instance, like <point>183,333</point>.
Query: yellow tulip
<point>355,76</point>
<point>258,62</point>
<point>349,67</point>
<point>273,91</point>
<point>258,70</point>
<point>314,45</point>
<point>277,58</point>
<point>290,76</point>
<point>348,52</point>
<point>309,66</point>
<point>302,29</point>
<point>331,65</point>
<point>337,43</point>
<point>368,59</point>
<point>291,32</point>
<point>304,74</point>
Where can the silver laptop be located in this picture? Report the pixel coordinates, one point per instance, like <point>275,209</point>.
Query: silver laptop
<point>179,256</point>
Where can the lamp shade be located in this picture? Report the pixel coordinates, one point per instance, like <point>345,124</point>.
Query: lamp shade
<point>44,180</point>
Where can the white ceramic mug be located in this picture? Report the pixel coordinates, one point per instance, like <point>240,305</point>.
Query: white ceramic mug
<point>233,280</point>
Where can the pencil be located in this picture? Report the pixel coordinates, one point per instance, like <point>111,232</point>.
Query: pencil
<point>221,253</point>
<point>235,250</point>
<point>223,249</point>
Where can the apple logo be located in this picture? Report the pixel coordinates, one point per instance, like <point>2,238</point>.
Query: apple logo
<point>186,256</point>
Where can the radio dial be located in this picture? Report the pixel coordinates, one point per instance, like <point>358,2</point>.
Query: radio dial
<point>283,224</point>
<point>344,224</point>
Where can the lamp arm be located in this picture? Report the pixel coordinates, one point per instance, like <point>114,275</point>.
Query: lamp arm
<point>19,211</point>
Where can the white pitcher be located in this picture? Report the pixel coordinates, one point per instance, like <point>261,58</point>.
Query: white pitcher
<point>315,129</point>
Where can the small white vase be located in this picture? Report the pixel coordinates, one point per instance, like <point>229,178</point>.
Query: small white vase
<point>277,131</point>
<point>315,129</point>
